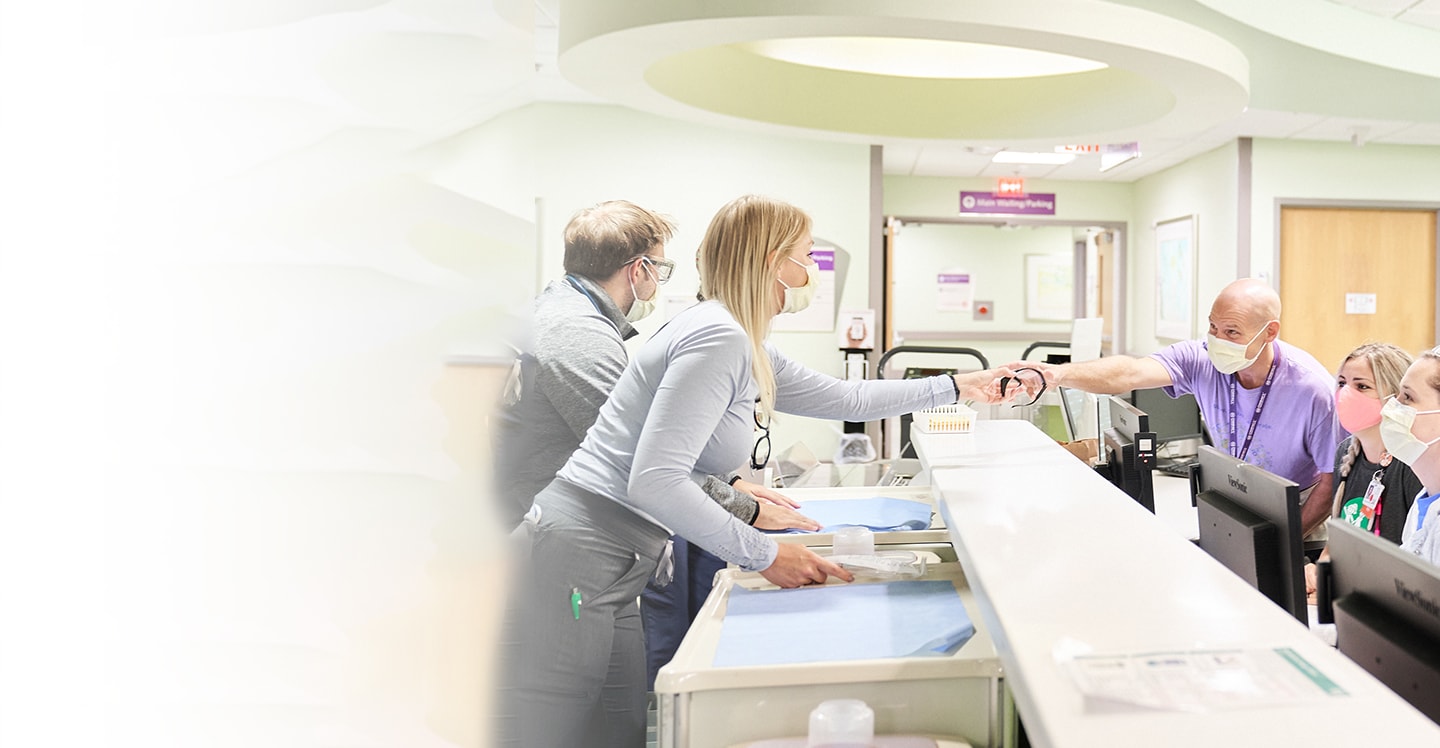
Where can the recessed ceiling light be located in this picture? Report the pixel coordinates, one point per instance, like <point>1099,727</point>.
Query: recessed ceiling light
<point>1023,157</point>
<point>920,58</point>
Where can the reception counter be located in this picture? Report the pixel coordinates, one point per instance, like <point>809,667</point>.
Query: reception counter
<point>1063,565</point>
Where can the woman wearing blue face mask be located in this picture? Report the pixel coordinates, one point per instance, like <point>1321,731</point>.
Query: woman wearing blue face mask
<point>1410,428</point>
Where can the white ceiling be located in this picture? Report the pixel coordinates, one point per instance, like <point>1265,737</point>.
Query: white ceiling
<point>430,69</point>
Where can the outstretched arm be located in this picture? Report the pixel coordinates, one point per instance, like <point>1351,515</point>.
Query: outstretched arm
<point>1111,375</point>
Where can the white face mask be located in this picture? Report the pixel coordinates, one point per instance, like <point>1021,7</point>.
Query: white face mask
<point>1228,357</point>
<point>796,299</point>
<point>642,307</point>
<point>1396,418</point>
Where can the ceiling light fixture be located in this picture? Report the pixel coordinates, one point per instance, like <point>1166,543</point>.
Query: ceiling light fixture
<point>1118,153</point>
<point>712,62</point>
<point>1024,157</point>
<point>920,58</point>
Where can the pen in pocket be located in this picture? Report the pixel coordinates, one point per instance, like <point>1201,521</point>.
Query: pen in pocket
<point>575,602</point>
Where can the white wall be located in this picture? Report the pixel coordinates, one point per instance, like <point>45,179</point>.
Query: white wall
<point>995,259</point>
<point>1204,187</point>
<point>283,538</point>
<point>1308,170</point>
<point>580,154</point>
<point>939,197</point>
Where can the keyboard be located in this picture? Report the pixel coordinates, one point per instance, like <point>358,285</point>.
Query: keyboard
<point>1179,469</point>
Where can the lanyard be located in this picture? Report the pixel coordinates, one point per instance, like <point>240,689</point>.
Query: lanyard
<point>1259,406</point>
<point>571,280</point>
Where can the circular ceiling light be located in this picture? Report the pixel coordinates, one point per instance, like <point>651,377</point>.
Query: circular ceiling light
<point>919,58</point>
<point>715,62</point>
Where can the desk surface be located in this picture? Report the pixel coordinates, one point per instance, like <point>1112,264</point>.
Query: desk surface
<point>1061,561</point>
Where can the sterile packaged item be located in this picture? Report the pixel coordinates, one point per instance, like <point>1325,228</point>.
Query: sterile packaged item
<point>854,541</point>
<point>945,419</point>
<point>842,723</point>
<point>891,563</point>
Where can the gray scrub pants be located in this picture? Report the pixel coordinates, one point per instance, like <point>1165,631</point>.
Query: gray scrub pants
<point>579,672</point>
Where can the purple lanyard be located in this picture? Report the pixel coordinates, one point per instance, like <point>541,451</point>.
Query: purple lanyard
<point>1259,406</point>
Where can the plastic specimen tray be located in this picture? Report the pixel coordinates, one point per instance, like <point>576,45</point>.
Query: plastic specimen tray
<point>703,706</point>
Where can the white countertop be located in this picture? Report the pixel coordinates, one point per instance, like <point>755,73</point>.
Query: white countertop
<point>1060,561</point>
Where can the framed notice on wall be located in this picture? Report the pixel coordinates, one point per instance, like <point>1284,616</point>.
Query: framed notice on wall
<point>1049,288</point>
<point>1175,278</point>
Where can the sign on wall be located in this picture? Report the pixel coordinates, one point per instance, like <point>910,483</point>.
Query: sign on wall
<point>1033,204</point>
<point>956,294</point>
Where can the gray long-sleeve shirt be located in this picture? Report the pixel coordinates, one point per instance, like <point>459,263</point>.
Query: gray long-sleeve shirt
<point>685,407</point>
<point>577,336</point>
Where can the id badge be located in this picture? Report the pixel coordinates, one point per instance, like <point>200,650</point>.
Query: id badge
<point>1370,506</point>
<point>1372,493</point>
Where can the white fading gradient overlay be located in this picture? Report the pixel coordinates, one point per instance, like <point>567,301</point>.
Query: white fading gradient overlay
<point>242,477</point>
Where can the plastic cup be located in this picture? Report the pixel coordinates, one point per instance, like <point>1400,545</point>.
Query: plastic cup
<point>841,723</point>
<point>854,541</point>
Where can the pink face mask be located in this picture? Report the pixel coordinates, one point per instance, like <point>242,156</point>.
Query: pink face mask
<point>1357,411</point>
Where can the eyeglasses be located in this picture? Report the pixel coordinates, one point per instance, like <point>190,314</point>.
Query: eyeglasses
<point>760,455</point>
<point>663,268</point>
<point>1027,380</point>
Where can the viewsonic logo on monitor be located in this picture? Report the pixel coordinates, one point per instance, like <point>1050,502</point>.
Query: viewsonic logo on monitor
<point>1236,484</point>
<point>1415,598</point>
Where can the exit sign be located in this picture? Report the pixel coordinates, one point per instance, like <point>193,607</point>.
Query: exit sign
<point>1010,187</point>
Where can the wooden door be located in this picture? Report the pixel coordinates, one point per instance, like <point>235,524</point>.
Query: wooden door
<point>1104,271</point>
<point>1327,253</point>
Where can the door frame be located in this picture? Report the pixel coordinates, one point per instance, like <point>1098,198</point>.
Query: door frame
<point>1413,205</point>
<point>1119,272</point>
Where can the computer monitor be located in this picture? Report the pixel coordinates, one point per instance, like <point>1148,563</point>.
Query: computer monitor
<point>1129,447</point>
<point>1386,609</point>
<point>1250,522</point>
<point>1171,418</point>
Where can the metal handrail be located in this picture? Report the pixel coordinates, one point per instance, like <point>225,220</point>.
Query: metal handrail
<point>1042,344</point>
<point>880,366</point>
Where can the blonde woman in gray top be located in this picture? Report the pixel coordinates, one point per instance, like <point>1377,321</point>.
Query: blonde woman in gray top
<point>685,407</point>
<point>573,352</point>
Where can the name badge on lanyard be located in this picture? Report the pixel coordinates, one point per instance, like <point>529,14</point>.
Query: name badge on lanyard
<point>1364,511</point>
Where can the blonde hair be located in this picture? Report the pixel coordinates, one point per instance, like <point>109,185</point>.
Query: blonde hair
<point>1433,354</point>
<point>739,259</point>
<point>1387,364</point>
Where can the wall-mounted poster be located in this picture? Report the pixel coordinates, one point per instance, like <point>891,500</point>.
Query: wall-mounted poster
<point>1049,288</point>
<point>1175,278</point>
<point>955,293</point>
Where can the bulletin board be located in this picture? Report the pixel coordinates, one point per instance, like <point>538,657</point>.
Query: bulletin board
<point>1175,278</point>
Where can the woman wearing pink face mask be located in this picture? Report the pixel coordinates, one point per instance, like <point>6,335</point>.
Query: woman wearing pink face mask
<point>1373,490</point>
